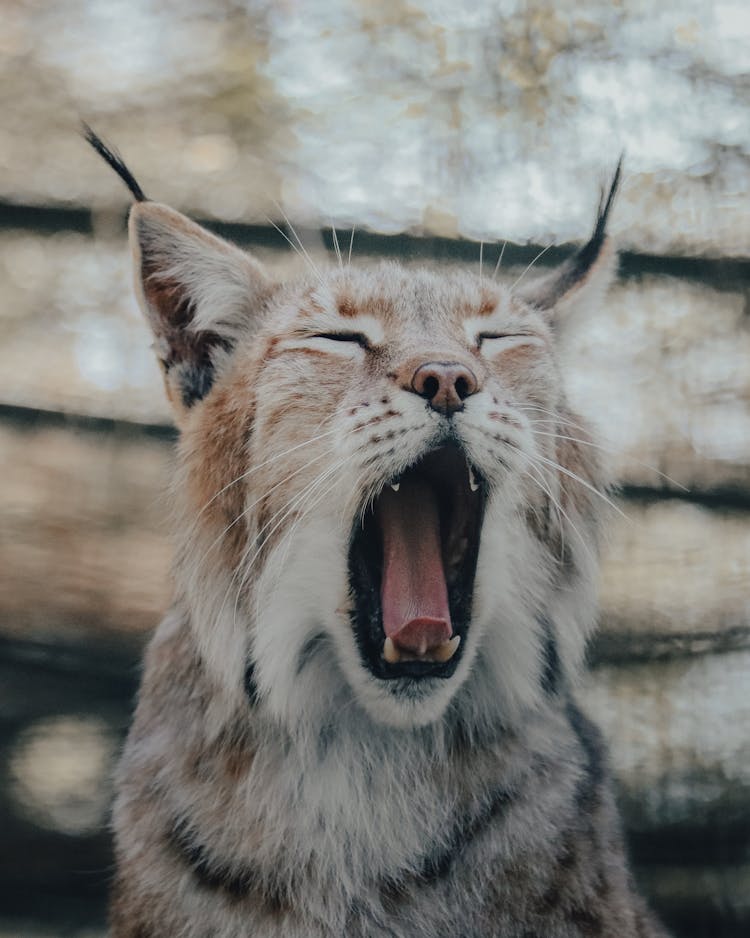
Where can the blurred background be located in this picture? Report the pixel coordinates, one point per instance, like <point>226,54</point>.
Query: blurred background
<point>429,127</point>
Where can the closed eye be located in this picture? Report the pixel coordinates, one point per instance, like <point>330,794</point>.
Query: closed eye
<point>499,341</point>
<point>359,337</point>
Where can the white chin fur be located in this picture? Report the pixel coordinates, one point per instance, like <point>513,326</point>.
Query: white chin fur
<point>408,706</point>
<point>303,593</point>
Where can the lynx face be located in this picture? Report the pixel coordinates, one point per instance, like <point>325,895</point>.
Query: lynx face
<point>388,507</point>
<point>401,546</point>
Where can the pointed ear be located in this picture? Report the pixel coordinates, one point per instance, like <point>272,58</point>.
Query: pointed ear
<point>198,292</point>
<point>582,280</point>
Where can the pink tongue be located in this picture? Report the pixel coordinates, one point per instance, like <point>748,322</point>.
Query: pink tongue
<point>413,593</point>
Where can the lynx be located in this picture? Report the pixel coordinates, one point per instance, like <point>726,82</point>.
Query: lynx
<point>357,718</point>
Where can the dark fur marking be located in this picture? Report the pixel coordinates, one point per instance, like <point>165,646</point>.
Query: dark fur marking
<point>309,650</point>
<point>215,875</point>
<point>195,382</point>
<point>115,161</point>
<point>438,865</point>
<point>551,899</point>
<point>589,923</point>
<point>569,858</point>
<point>590,740</point>
<point>552,671</point>
<point>171,312</point>
<point>251,688</point>
<point>326,737</point>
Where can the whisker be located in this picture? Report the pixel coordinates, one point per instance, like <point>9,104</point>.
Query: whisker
<point>336,245</point>
<point>351,245</point>
<point>559,417</point>
<point>298,499</point>
<point>612,451</point>
<point>562,511</point>
<point>481,259</point>
<point>528,268</point>
<point>245,511</point>
<point>267,462</point>
<point>299,241</point>
<point>245,568</point>
<point>542,483</point>
<point>288,537</point>
<point>284,235</point>
<point>587,485</point>
<point>499,261</point>
<point>285,511</point>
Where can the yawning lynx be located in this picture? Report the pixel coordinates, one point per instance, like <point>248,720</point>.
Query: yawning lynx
<point>357,718</point>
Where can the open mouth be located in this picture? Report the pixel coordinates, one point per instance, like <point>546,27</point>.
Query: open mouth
<point>412,562</point>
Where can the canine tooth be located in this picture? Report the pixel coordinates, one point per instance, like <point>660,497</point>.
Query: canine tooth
<point>473,484</point>
<point>390,652</point>
<point>395,486</point>
<point>447,650</point>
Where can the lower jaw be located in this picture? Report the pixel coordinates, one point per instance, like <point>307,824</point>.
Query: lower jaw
<point>406,704</point>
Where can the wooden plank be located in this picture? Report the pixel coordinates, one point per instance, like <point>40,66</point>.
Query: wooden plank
<point>704,899</point>
<point>663,371</point>
<point>84,550</point>
<point>674,581</point>
<point>680,748</point>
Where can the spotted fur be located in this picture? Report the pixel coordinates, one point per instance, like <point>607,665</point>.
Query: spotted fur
<point>271,785</point>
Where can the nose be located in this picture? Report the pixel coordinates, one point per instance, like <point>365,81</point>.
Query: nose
<point>446,385</point>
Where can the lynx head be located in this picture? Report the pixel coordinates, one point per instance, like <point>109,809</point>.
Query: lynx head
<point>389,508</point>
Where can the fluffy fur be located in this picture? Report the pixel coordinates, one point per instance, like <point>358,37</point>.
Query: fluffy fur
<point>271,784</point>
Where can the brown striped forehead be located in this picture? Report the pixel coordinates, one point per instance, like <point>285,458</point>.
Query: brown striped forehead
<point>398,297</point>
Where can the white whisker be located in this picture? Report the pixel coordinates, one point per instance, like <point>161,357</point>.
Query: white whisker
<point>336,246</point>
<point>299,242</point>
<point>611,451</point>
<point>528,268</point>
<point>499,261</point>
<point>293,246</point>
<point>581,481</point>
<point>243,566</point>
<point>561,510</point>
<point>245,511</point>
<point>267,462</point>
<point>285,512</point>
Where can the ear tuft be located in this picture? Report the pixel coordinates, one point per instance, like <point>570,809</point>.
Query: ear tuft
<point>588,273</point>
<point>112,158</point>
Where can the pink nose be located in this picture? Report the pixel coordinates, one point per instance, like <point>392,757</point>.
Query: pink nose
<point>446,385</point>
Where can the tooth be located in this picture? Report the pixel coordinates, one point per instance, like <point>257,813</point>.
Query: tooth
<point>446,651</point>
<point>473,484</point>
<point>395,486</point>
<point>390,652</point>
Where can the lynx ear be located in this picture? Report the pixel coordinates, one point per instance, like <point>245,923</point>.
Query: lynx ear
<point>583,280</point>
<point>198,292</point>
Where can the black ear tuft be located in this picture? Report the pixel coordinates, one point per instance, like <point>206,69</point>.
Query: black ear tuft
<point>581,268</point>
<point>588,254</point>
<point>113,158</point>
